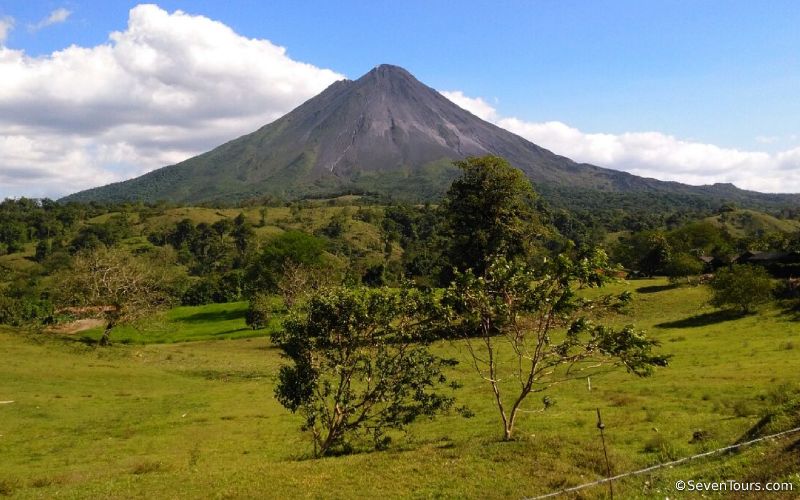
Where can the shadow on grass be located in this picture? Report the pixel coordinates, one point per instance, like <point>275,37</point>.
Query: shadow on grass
<point>84,339</point>
<point>655,288</point>
<point>792,312</point>
<point>209,316</point>
<point>704,319</point>
<point>237,330</point>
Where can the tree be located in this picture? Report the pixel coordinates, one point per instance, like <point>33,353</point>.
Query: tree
<point>115,285</point>
<point>360,364</point>
<point>508,319</point>
<point>291,247</point>
<point>491,210</point>
<point>743,287</point>
<point>298,280</point>
<point>259,311</point>
<point>682,265</point>
<point>243,235</point>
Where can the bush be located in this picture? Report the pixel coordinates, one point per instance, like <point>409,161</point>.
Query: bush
<point>24,310</point>
<point>215,289</point>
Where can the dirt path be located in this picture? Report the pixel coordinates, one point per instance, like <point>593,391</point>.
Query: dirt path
<point>76,326</point>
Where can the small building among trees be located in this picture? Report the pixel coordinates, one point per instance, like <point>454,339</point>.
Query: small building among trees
<point>778,264</point>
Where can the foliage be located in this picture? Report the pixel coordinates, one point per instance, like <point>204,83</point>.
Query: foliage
<point>298,280</point>
<point>215,288</point>
<point>19,311</point>
<point>259,311</point>
<point>108,233</point>
<point>743,287</point>
<point>418,231</point>
<point>683,265</point>
<point>491,210</point>
<point>115,285</point>
<point>291,247</point>
<point>648,252</point>
<point>360,365</point>
<point>509,318</point>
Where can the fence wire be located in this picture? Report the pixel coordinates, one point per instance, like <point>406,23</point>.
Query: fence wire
<point>662,465</point>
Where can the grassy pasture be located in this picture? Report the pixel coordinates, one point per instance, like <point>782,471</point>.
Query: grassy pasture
<point>162,417</point>
<point>189,323</point>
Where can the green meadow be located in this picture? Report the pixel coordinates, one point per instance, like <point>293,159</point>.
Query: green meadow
<point>184,408</point>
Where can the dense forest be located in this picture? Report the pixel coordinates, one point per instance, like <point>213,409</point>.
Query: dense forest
<point>223,253</point>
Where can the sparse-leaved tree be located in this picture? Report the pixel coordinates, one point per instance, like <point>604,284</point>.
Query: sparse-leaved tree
<point>526,331</point>
<point>115,285</point>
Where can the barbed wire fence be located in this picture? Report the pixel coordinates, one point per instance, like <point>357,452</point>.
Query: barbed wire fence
<point>662,465</point>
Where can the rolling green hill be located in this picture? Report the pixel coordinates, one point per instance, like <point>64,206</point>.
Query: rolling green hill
<point>741,223</point>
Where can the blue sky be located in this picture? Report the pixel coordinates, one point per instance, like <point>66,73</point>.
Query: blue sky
<point>719,75</point>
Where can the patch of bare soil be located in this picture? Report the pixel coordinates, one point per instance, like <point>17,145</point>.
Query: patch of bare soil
<point>76,326</point>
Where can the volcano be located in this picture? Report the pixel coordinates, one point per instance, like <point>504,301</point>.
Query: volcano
<point>386,134</point>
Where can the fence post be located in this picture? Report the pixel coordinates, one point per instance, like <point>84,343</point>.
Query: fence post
<point>601,426</point>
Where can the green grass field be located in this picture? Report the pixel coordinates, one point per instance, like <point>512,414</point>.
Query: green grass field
<point>175,419</point>
<point>186,324</point>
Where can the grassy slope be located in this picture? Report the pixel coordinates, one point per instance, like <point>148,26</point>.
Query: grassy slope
<point>198,419</point>
<point>740,223</point>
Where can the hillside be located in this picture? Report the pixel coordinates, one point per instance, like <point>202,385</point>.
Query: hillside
<point>741,223</point>
<point>388,134</point>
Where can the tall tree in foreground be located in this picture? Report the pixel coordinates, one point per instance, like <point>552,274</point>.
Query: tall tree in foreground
<point>491,210</point>
<point>115,285</point>
<point>360,364</point>
<point>526,331</point>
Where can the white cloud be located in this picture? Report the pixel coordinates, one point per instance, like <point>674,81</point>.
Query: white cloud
<point>475,105</point>
<point>6,25</point>
<point>170,86</point>
<point>652,154</point>
<point>58,16</point>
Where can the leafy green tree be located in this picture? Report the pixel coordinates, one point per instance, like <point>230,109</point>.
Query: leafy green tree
<point>491,210</point>
<point>14,234</point>
<point>360,365</point>
<point>682,265</point>
<point>243,235</point>
<point>183,233</point>
<point>743,287</point>
<point>259,311</point>
<point>336,227</point>
<point>43,250</point>
<point>508,316</point>
<point>698,238</point>
<point>291,247</point>
<point>648,252</point>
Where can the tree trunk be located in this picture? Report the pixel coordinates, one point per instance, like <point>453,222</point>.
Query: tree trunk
<point>509,424</point>
<point>104,340</point>
<point>329,440</point>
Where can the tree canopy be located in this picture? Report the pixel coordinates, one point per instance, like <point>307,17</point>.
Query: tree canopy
<point>491,210</point>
